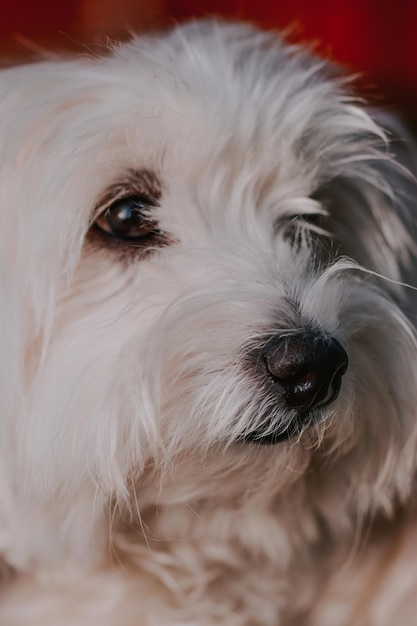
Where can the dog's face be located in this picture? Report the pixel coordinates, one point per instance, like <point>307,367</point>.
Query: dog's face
<point>186,225</point>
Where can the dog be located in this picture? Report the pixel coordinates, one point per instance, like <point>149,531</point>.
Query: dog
<point>209,381</point>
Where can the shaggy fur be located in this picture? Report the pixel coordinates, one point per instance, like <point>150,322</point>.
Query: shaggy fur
<point>133,488</point>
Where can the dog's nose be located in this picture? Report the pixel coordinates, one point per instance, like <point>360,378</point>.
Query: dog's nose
<point>308,367</point>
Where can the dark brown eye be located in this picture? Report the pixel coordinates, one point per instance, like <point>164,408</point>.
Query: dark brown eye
<point>128,219</point>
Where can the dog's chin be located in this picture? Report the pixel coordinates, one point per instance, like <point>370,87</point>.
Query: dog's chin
<point>268,437</point>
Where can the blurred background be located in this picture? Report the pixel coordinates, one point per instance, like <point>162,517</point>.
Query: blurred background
<point>373,37</point>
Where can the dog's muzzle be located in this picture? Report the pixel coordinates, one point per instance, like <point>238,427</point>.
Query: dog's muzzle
<point>306,369</point>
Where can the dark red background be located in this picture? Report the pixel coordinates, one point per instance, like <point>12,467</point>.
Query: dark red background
<point>376,37</point>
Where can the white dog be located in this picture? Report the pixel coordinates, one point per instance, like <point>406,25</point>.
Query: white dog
<point>209,381</point>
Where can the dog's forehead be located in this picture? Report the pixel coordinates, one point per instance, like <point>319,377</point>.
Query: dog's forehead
<point>216,132</point>
<point>210,91</point>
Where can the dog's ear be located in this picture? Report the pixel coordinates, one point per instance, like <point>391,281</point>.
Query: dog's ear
<point>372,204</point>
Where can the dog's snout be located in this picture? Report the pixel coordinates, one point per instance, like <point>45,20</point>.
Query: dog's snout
<point>307,367</point>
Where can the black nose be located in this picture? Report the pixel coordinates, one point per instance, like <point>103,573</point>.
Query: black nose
<point>308,367</point>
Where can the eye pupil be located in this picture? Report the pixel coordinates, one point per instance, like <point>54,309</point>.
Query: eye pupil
<point>128,219</point>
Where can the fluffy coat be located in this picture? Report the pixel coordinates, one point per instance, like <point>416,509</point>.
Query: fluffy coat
<point>130,491</point>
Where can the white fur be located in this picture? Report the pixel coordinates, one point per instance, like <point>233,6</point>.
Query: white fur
<point>127,495</point>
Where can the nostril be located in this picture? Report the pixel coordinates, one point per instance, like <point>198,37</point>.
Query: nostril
<point>308,367</point>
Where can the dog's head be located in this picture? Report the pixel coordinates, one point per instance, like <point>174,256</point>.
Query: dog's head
<point>202,235</point>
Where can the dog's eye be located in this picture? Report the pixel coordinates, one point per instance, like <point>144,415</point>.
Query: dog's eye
<point>309,219</point>
<point>128,219</point>
<point>314,223</point>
